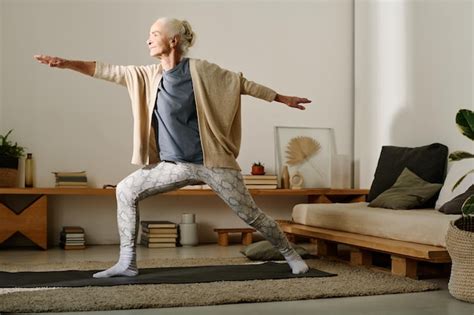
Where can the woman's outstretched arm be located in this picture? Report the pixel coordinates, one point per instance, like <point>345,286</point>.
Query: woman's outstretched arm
<point>84,67</point>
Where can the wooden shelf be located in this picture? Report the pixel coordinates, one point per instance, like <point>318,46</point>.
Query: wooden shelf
<point>31,221</point>
<point>183,192</point>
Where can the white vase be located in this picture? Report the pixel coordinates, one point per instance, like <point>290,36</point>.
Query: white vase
<point>188,234</point>
<point>188,218</point>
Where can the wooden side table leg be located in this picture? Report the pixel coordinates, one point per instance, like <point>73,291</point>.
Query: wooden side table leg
<point>223,239</point>
<point>6,216</point>
<point>31,222</point>
<point>246,238</point>
<point>37,232</point>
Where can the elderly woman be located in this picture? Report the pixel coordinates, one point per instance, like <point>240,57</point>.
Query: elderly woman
<point>187,130</point>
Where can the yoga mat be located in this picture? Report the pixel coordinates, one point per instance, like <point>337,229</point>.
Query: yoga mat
<point>174,275</point>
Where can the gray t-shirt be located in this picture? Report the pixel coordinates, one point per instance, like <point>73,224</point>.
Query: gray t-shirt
<point>176,117</point>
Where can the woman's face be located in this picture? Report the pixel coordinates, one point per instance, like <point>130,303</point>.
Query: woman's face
<point>158,42</point>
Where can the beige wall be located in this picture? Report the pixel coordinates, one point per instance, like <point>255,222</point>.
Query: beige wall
<point>72,122</point>
<point>413,71</point>
<point>1,63</point>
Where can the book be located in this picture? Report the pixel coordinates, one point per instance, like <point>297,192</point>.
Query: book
<point>72,243</point>
<point>261,186</point>
<point>73,229</point>
<point>71,184</point>
<point>71,179</point>
<point>72,235</point>
<point>72,238</point>
<point>67,240</point>
<point>260,177</point>
<point>72,174</point>
<point>158,224</point>
<point>261,181</point>
<point>160,230</point>
<point>196,187</point>
<point>175,235</point>
<point>192,187</point>
<point>67,246</point>
<point>158,240</point>
<point>159,245</point>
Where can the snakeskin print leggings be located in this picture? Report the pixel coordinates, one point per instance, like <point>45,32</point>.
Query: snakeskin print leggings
<point>166,176</point>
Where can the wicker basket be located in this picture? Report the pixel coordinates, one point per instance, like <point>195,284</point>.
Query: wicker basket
<point>8,177</point>
<point>460,245</point>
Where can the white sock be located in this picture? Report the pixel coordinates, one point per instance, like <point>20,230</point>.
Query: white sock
<point>297,264</point>
<point>126,266</point>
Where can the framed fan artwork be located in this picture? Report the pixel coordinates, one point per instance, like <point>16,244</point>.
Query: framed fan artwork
<point>306,153</point>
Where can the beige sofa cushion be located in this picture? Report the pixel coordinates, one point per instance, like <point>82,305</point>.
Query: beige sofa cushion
<point>424,226</point>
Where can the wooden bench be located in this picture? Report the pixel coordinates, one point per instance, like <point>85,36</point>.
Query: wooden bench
<point>223,235</point>
<point>404,255</point>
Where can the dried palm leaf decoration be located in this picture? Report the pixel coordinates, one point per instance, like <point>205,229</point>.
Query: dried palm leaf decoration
<point>301,149</point>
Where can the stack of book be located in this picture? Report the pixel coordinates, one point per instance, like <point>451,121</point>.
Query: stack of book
<point>196,187</point>
<point>261,181</point>
<point>72,237</point>
<point>159,234</point>
<point>71,179</point>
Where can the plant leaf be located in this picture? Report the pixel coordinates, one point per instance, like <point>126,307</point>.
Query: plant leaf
<point>8,133</point>
<point>7,148</point>
<point>465,122</point>
<point>300,149</point>
<point>461,179</point>
<point>460,155</point>
<point>468,206</point>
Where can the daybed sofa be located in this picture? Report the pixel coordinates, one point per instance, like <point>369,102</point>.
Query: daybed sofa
<point>410,235</point>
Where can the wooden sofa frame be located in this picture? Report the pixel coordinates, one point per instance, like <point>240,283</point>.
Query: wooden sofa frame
<point>405,256</point>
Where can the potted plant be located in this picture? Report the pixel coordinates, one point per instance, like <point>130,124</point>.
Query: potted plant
<point>258,168</point>
<point>9,156</point>
<point>460,236</point>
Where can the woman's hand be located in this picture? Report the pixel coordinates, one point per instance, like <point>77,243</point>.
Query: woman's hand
<point>54,62</point>
<point>84,67</point>
<point>292,101</point>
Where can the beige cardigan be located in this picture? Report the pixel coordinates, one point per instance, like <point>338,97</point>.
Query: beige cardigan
<point>217,93</point>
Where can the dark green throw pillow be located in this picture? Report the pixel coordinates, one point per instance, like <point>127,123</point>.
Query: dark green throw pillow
<point>454,205</point>
<point>408,192</point>
<point>264,250</point>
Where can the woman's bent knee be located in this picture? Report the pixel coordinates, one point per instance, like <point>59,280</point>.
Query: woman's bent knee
<point>125,193</point>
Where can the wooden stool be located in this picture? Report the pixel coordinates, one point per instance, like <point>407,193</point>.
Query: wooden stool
<point>223,235</point>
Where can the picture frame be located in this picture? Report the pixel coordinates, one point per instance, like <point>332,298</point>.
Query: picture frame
<point>308,154</point>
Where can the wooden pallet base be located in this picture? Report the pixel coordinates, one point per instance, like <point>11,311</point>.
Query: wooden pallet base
<point>407,259</point>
